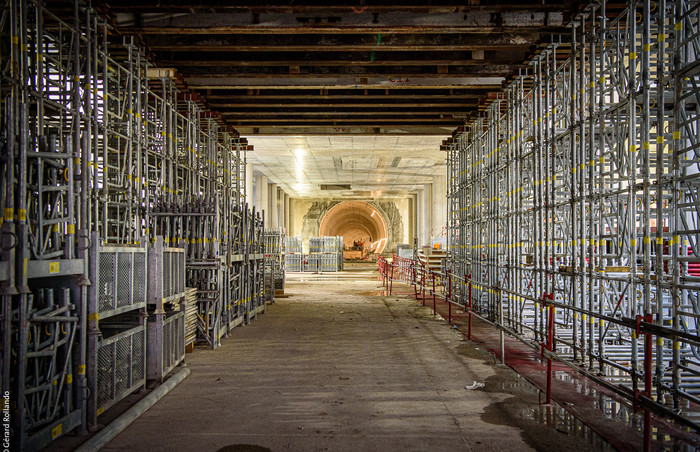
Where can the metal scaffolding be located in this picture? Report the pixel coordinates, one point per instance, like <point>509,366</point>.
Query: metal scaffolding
<point>574,202</point>
<point>119,189</point>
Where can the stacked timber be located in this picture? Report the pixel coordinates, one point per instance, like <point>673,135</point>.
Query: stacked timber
<point>190,315</point>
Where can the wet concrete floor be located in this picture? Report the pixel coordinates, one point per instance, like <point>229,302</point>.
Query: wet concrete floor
<point>335,366</point>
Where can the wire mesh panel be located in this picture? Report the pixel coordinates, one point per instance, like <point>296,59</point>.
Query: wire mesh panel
<point>121,366</point>
<point>293,262</point>
<point>293,245</point>
<point>120,279</point>
<point>166,343</point>
<point>166,275</point>
<point>274,260</point>
<point>315,245</point>
<point>313,263</point>
<point>106,282</point>
<point>329,262</point>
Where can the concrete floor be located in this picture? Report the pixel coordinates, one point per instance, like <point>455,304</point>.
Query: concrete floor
<point>337,367</point>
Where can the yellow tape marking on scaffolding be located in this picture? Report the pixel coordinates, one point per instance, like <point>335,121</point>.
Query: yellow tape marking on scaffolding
<point>81,369</point>
<point>575,315</point>
<point>14,39</point>
<point>22,214</point>
<point>94,317</point>
<point>646,47</point>
<point>662,37</point>
<point>659,139</point>
<point>647,240</point>
<point>56,431</point>
<point>592,163</point>
<point>601,322</point>
<point>660,341</point>
<point>633,242</point>
<point>633,55</point>
<point>633,148</point>
<point>54,267</point>
<point>591,320</point>
<point>9,214</point>
<point>679,26</point>
<point>677,239</point>
<point>677,135</point>
<point>676,345</point>
<point>659,241</point>
<point>591,84</point>
<point>71,229</point>
<point>634,335</point>
<point>573,170</point>
<point>100,410</point>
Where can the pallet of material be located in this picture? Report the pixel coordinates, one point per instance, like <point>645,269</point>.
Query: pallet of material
<point>190,315</point>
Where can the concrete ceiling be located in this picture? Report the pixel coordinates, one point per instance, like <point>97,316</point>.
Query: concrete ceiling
<point>326,67</point>
<point>372,166</point>
<point>337,92</point>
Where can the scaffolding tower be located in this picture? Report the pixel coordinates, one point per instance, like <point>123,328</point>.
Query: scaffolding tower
<point>578,191</point>
<point>119,190</point>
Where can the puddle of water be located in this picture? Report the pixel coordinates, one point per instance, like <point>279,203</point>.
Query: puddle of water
<point>556,417</point>
<point>622,412</point>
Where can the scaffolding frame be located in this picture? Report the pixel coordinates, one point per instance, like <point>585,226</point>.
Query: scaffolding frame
<point>575,197</point>
<point>103,159</point>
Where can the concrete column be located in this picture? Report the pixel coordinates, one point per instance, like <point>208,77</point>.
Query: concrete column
<point>287,213</point>
<point>280,194</point>
<point>249,195</point>
<point>439,213</point>
<point>427,214</point>
<point>420,234</point>
<point>273,207</point>
<point>411,219</point>
<point>292,229</point>
<point>261,195</point>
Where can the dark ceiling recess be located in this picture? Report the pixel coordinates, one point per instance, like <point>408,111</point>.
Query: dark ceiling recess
<point>326,67</point>
<point>335,187</point>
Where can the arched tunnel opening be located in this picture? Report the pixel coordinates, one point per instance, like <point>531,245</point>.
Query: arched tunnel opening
<point>357,222</point>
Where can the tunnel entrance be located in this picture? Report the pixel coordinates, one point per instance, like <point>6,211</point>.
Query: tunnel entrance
<point>356,221</point>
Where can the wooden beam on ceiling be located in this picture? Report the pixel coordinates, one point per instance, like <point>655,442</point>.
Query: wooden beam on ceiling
<point>342,42</point>
<point>483,21</point>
